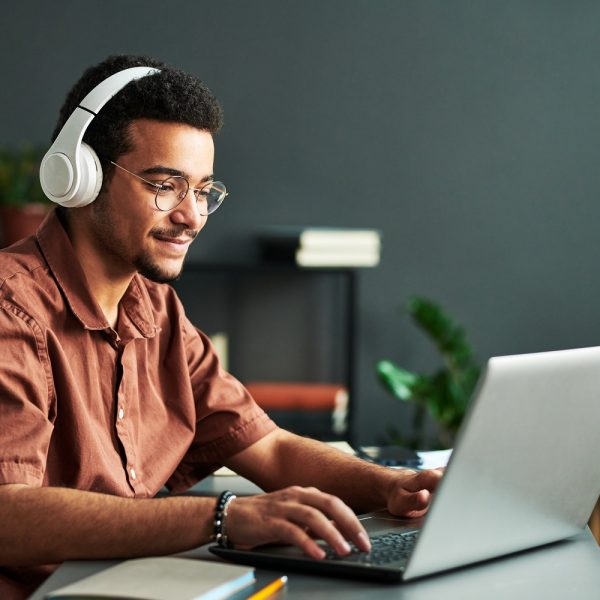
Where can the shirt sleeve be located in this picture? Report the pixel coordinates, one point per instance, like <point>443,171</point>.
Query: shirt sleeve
<point>27,404</point>
<point>227,417</point>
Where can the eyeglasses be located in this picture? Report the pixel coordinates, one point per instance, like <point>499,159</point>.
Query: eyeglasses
<point>171,192</point>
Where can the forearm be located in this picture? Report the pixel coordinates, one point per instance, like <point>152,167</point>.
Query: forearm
<point>294,460</point>
<point>50,525</point>
<point>361,485</point>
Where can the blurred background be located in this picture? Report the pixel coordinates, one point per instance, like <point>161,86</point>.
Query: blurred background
<point>466,132</point>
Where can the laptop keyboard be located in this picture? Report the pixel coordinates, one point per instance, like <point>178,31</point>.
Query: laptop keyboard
<point>386,548</point>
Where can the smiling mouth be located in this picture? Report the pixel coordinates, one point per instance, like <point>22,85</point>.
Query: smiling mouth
<point>172,240</point>
<point>176,244</point>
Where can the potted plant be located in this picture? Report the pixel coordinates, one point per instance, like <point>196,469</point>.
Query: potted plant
<point>445,393</point>
<point>23,204</point>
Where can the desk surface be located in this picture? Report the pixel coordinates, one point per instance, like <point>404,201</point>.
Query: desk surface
<point>568,569</point>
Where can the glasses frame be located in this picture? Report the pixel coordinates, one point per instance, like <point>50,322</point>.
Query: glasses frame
<point>158,186</point>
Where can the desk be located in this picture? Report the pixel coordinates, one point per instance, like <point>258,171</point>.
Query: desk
<point>568,569</point>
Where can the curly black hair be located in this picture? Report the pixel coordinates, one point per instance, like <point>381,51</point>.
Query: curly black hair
<point>170,96</point>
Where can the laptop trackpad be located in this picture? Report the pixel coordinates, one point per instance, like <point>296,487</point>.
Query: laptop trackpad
<point>382,520</point>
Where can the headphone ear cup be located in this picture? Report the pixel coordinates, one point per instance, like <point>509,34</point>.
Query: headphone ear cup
<point>56,176</point>
<point>90,177</point>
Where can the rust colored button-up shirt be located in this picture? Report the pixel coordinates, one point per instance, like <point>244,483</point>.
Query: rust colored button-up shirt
<point>120,412</point>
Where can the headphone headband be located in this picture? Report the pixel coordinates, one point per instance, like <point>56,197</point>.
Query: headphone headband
<point>106,89</point>
<point>70,172</point>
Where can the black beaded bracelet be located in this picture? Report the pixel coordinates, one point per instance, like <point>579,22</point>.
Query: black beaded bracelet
<point>220,522</point>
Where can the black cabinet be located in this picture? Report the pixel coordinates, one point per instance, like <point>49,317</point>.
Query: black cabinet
<point>282,323</point>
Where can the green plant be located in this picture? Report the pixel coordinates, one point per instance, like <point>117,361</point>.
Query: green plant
<point>445,393</point>
<point>19,180</point>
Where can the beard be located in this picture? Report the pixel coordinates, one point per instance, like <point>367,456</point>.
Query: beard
<point>144,261</point>
<point>154,272</point>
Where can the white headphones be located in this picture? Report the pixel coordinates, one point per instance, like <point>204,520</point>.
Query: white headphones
<point>70,172</point>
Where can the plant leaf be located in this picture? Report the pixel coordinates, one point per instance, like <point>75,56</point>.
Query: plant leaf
<point>398,381</point>
<point>445,393</point>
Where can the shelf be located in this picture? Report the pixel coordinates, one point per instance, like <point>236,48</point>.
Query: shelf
<point>283,323</point>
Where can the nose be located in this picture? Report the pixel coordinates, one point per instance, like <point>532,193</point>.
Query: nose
<point>188,212</point>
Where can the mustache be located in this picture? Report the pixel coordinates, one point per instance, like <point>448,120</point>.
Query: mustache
<point>175,232</point>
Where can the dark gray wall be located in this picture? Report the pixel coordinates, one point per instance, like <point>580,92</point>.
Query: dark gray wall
<point>466,131</point>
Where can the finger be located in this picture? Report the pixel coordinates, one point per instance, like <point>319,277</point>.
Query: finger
<point>344,518</point>
<point>286,506</point>
<point>290,533</point>
<point>345,521</point>
<point>423,480</point>
<point>320,526</point>
<point>262,520</point>
<point>293,523</point>
<point>410,504</point>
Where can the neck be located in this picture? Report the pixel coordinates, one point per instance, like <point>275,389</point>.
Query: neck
<point>107,282</point>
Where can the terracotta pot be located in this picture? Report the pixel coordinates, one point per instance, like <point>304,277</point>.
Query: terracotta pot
<point>17,222</point>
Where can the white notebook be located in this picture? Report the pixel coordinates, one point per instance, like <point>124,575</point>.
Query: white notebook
<point>161,578</point>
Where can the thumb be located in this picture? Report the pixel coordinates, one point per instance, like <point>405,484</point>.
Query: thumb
<point>409,504</point>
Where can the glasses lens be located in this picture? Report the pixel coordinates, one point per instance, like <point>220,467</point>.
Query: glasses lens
<point>210,197</point>
<point>171,192</point>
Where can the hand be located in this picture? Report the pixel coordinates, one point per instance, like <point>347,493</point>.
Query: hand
<point>410,492</point>
<point>295,515</point>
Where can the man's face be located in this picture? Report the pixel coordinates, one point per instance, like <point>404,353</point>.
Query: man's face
<point>130,232</point>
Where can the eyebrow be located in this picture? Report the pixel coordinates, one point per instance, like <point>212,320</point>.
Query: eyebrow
<point>162,170</point>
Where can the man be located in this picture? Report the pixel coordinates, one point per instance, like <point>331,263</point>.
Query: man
<point>108,393</point>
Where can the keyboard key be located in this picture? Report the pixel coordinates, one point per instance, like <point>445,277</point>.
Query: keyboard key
<point>385,548</point>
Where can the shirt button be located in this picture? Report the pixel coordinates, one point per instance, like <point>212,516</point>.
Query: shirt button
<point>121,413</point>
<point>132,473</point>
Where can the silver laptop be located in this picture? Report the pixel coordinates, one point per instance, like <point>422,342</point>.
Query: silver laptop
<point>524,472</point>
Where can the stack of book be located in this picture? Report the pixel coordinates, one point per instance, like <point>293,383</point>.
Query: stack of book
<point>321,246</point>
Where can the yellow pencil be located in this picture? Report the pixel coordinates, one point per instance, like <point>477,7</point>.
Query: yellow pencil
<point>269,589</point>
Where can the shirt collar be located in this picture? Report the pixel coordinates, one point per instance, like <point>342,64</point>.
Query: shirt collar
<point>62,261</point>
